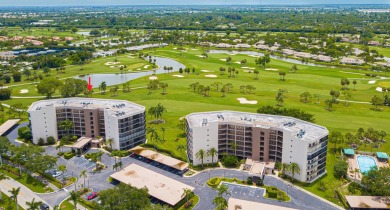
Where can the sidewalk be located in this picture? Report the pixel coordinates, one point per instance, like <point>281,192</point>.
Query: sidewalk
<point>25,194</point>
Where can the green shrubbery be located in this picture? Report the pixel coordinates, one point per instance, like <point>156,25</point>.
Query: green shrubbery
<point>296,113</point>
<point>275,193</point>
<point>249,181</point>
<point>120,153</point>
<point>230,161</point>
<point>69,155</point>
<point>214,182</point>
<point>24,133</point>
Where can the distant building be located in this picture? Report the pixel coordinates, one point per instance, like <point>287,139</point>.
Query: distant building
<point>261,138</point>
<point>120,120</point>
<point>351,61</point>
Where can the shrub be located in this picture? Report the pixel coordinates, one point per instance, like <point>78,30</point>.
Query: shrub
<point>214,182</point>
<point>7,78</point>
<point>69,155</point>
<point>272,194</point>
<point>249,181</point>
<point>340,169</point>
<point>352,187</point>
<point>230,161</point>
<point>51,140</point>
<point>120,153</point>
<point>259,182</point>
<point>296,113</point>
<point>5,93</point>
<point>24,133</point>
<point>41,142</point>
<point>60,153</point>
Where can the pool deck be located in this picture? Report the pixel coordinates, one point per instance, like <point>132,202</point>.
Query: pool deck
<point>353,164</point>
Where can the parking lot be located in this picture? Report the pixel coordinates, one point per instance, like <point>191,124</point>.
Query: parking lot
<point>82,162</point>
<point>245,191</point>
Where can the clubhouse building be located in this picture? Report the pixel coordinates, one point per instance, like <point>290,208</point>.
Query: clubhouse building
<point>259,138</point>
<point>93,120</point>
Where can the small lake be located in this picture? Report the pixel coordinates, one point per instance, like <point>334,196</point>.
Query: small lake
<point>115,79</point>
<point>253,53</point>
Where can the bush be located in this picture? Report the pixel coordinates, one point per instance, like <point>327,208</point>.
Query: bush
<point>69,155</point>
<point>5,93</point>
<point>214,182</point>
<point>60,153</point>
<point>249,181</point>
<point>272,194</point>
<point>340,169</point>
<point>259,182</point>
<point>41,142</point>
<point>352,187</point>
<point>120,153</point>
<point>296,113</point>
<point>51,140</point>
<point>24,133</point>
<point>230,161</point>
<point>7,78</point>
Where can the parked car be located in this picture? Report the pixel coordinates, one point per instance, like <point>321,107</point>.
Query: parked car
<point>44,206</point>
<point>57,174</point>
<point>92,195</point>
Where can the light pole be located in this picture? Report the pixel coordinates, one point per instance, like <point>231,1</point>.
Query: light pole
<point>88,183</point>
<point>75,190</point>
<point>72,172</point>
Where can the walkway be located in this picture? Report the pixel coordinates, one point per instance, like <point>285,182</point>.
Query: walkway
<point>25,194</point>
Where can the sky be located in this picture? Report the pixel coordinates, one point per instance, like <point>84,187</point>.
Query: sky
<point>178,2</point>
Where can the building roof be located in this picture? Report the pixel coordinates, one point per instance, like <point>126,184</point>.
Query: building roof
<point>237,204</point>
<point>8,125</point>
<point>382,155</point>
<point>117,108</point>
<point>81,142</point>
<point>368,202</point>
<point>348,151</point>
<point>159,186</point>
<point>161,158</point>
<point>302,129</point>
<point>257,168</point>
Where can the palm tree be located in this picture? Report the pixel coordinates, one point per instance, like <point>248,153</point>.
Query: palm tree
<point>109,142</point>
<point>62,168</point>
<point>220,202</point>
<point>201,155</point>
<point>186,193</point>
<point>103,87</point>
<point>355,172</point>
<point>83,174</point>
<point>286,167</point>
<point>223,189</point>
<point>74,196</point>
<point>152,131</point>
<point>212,153</point>
<point>294,169</point>
<point>33,205</point>
<point>234,146</point>
<point>2,177</point>
<point>14,196</point>
<point>163,133</point>
<point>66,125</point>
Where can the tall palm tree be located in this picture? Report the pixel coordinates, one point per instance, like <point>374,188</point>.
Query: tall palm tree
<point>74,196</point>
<point>2,177</point>
<point>295,169</point>
<point>223,189</point>
<point>33,205</point>
<point>201,154</point>
<point>220,202</point>
<point>62,168</point>
<point>286,167</point>
<point>163,133</point>
<point>109,142</point>
<point>14,196</point>
<point>186,194</point>
<point>152,131</point>
<point>212,152</point>
<point>234,146</point>
<point>103,87</point>
<point>83,174</point>
<point>66,125</point>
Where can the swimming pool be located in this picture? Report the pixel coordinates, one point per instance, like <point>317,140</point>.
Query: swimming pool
<point>365,163</point>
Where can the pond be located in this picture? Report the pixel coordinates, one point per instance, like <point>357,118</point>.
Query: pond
<point>115,79</point>
<point>253,53</point>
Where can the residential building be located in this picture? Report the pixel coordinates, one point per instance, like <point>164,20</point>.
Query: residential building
<point>260,137</point>
<point>119,120</point>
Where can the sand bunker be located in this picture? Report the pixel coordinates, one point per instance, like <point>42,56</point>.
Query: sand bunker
<point>206,71</point>
<point>130,57</point>
<point>201,56</point>
<point>372,82</point>
<point>112,66</point>
<point>245,101</point>
<point>194,49</point>
<point>177,75</point>
<point>147,66</point>
<point>222,59</point>
<point>245,67</point>
<point>271,69</point>
<point>175,48</point>
<point>153,78</point>
<point>211,75</point>
<point>238,62</point>
<point>379,89</point>
<point>255,56</point>
<point>23,91</point>
<point>252,68</point>
<point>248,71</point>
<point>231,53</point>
<point>111,63</point>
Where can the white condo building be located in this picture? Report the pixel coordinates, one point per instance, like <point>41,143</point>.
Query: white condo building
<point>119,120</point>
<point>259,137</point>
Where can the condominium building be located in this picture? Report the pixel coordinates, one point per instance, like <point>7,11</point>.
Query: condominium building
<point>260,137</point>
<point>119,120</point>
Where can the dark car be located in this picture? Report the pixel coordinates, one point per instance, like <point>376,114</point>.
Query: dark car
<point>92,195</point>
<point>44,206</point>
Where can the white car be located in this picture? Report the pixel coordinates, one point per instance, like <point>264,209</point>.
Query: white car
<point>57,174</point>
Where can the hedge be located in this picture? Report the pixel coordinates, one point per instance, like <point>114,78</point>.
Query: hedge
<point>69,155</point>
<point>170,153</point>
<point>214,182</point>
<point>341,198</point>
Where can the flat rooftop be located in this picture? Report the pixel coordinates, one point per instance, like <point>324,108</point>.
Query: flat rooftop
<point>368,202</point>
<point>237,204</point>
<point>116,108</point>
<point>296,126</point>
<point>161,158</point>
<point>159,186</point>
<point>7,125</point>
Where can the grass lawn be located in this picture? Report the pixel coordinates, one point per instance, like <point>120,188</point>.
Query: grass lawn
<point>67,205</point>
<point>194,200</point>
<point>181,101</point>
<point>8,203</point>
<point>28,181</point>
